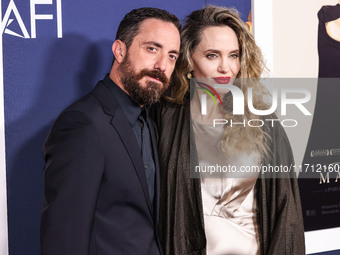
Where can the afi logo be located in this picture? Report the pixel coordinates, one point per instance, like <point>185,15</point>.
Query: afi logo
<point>12,8</point>
<point>238,100</point>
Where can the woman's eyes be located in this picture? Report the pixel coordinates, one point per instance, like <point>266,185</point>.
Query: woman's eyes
<point>234,55</point>
<point>213,55</point>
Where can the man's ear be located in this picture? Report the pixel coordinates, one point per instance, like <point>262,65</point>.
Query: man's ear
<point>119,50</point>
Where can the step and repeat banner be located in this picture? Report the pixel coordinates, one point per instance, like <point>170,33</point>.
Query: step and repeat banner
<point>54,51</point>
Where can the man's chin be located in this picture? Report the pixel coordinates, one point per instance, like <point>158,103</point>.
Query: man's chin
<point>146,97</point>
<point>151,83</point>
<point>146,92</point>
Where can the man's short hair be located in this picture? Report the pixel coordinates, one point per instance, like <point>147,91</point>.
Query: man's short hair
<point>129,26</point>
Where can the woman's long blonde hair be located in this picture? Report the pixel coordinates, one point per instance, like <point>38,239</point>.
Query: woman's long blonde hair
<point>236,138</point>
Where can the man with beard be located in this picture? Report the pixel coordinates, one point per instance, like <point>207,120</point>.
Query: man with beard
<point>101,177</point>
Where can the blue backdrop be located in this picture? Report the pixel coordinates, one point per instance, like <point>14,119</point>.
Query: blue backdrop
<point>50,61</point>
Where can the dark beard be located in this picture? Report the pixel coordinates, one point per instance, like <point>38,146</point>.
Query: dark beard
<point>142,95</point>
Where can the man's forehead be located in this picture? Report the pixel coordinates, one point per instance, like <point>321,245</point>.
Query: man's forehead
<point>147,21</point>
<point>157,25</point>
<point>163,32</point>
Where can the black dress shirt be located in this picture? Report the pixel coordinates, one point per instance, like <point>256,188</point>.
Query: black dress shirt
<point>137,118</point>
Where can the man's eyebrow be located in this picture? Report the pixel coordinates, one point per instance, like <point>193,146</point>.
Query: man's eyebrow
<point>153,43</point>
<point>159,46</point>
<point>174,52</point>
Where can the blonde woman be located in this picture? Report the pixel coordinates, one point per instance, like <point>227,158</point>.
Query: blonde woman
<point>226,214</point>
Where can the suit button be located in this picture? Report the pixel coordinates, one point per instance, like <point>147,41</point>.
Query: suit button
<point>146,165</point>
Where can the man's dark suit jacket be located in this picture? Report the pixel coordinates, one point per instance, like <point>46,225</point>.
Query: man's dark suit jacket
<point>96,193</point>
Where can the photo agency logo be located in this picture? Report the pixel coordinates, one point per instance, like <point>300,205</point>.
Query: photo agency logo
<point>300,96</point>
<point>12,22</point>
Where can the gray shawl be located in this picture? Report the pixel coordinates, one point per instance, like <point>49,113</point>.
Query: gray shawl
<point>181,226</point>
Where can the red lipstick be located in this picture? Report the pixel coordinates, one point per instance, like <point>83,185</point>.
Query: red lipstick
<point>222,80</point>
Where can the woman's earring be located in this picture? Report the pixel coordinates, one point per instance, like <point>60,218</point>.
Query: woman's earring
<point>189,75</point>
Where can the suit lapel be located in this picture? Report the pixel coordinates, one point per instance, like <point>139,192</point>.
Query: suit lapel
<point>122,126</point>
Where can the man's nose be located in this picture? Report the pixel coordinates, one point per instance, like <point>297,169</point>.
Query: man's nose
<point>161,62</point>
